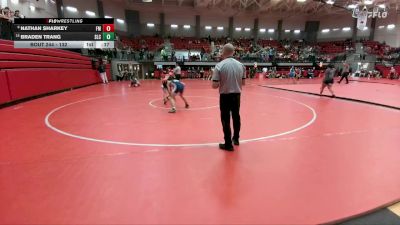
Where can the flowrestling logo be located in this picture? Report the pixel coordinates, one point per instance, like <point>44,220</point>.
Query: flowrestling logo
<point>375,12</point>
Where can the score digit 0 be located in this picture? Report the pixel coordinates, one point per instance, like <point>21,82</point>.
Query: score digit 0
<point>108,36</point>
<point>108,27</point>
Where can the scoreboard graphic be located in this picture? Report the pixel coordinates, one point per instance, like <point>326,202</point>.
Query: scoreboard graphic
<point>64,33</point>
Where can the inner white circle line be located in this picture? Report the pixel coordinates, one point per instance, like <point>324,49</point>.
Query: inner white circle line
<point>49,125</point>
<point>151,103</point>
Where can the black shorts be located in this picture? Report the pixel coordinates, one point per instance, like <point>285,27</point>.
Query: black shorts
<point>345,74</point>
<point>328,82</point>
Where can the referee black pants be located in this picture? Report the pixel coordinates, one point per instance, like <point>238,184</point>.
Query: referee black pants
<point>229,104</point>
<point>344,75</point>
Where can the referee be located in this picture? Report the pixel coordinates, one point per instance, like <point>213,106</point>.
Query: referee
<point>229,76</point>
<point>177,72</point>
<point>345,72</point>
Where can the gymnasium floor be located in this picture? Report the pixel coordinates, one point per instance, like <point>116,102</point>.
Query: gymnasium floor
<point>383,91</point>
<point>109,154</point>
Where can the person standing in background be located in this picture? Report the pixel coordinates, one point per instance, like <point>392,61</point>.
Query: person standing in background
<point>392,73</point>
<point>164,54</point>
<point>328,79</point>
<point>120,74</point>
<point>177,72</point>
<point>134,79</point>
<point>5,23</point>
<point>102,71</point>
<point>292,74</point>
<point>345,72</point>
<point>229,76</point>
<point>18,15</point>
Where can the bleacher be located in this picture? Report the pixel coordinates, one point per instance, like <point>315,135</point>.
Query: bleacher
<point>270,43</point>
<point>385,71</point>
<point>333,47</point>
<point>190,43</point>
<point>26,73</point>
<point>144,42</point>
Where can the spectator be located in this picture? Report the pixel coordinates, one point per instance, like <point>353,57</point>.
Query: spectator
<point>5,13</point>
<point>164,54</point>
<point>328,79</point>
<point>18,15</point>
<point>121,74</point>
<point>177,72</point>
<point>102,71</point>
<point>345,73</point>
<point>173,55</point>
<point>392,73</point>
<point>310,73</point>
<point>5,23</point>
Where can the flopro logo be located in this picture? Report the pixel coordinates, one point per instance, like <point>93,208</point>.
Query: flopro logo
<point>376,12</point>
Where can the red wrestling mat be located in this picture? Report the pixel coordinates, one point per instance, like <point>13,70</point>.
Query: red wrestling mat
<point>381,91</point>
<point>109,154</point>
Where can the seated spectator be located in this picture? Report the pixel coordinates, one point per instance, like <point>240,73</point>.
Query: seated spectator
<point>392,73</point>
<point>310,73</point>
<point>164,54</point>
<point>120,75</point>
<point>18,15</point>
<point>363,73</point>
<point>208,74</point>
<point>377,74</point>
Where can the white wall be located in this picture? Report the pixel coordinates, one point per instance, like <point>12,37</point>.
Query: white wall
<point>294,23</point>
<point>182,16</point>
<point>335,35</point>
<point>391,37</point>
<point>267,22</point>
<point>115,11</point>
<point>180,19</point>
<point>332,22</point>
<point>4,3</point>
<point>214,32</point>
<point>243,21</point>
<point>215,17</point>
<point>44,9</point>
<point>149,31</point>
<point>82,6</point>
<point>214,20</point>
<point>338,21</point>
<point>110,9</point>
<point>180,31</point>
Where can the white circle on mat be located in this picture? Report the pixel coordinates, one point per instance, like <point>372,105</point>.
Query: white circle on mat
<point>151,103</point>
<point>49,125</point>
